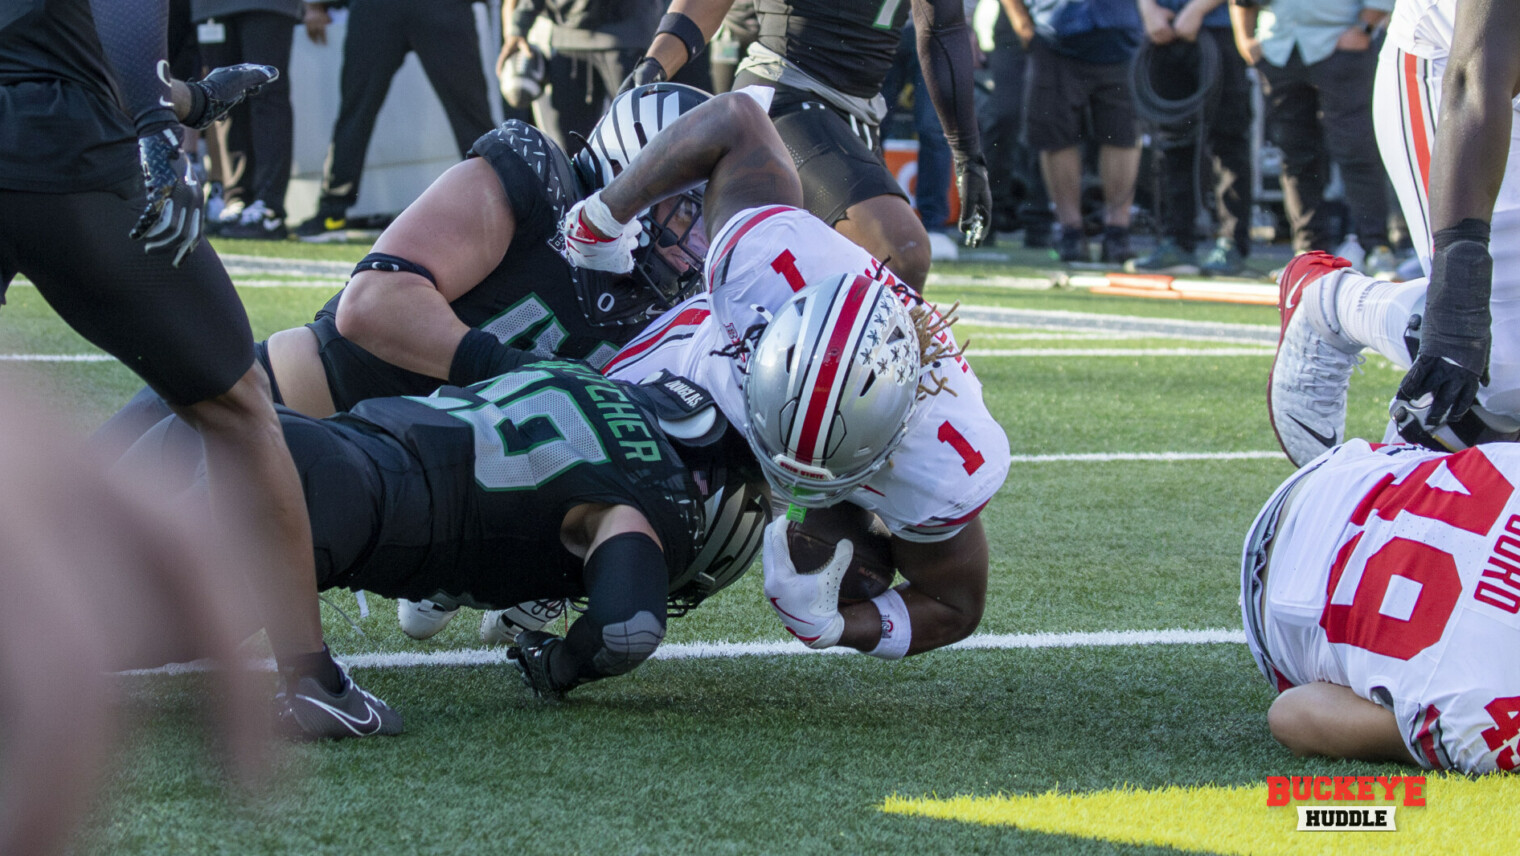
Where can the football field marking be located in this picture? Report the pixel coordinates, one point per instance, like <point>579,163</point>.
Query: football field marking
<point>723,649</point>
<point>1461,815</point>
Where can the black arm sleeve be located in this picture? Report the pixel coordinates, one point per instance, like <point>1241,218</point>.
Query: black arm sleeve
<point>944,52</point>
<point>134,35</point>
<point>624,621</point>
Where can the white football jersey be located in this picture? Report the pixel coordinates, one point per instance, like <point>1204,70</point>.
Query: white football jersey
<point>1423,27</point>
<point>1395,571</point>
<point>954,455</point>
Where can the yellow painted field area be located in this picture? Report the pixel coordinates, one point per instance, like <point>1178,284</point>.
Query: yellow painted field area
<point>1461,815</point>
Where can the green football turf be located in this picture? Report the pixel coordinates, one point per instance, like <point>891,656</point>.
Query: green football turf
<point>794,754</point>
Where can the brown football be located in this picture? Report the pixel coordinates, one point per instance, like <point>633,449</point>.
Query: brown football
<point>812,541</point>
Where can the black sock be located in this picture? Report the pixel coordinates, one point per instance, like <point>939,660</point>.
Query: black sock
<point>318,665</point>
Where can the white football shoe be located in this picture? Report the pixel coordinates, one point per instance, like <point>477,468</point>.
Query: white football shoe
<point>501,626</point>
<point>422,618</point>
<point>1311,373</point>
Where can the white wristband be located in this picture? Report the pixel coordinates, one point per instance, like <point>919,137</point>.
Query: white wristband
<point>896,628</point>
<point>600,218</point>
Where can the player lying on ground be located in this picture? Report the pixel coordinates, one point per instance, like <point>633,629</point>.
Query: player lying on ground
<point>926,463</point>
<point>468,276</point>
<point>822,65</point>
<point>1464,383</point>
<point>1381,596</point>
<point>547,482</point>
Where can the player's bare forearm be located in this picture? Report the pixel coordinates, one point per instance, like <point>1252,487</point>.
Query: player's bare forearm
<point>1472,136</point>
<point>945,595</point>
<point>706,14</point>
<point>730,143</point>
<point>459,229</point>
<point>1333,721</point>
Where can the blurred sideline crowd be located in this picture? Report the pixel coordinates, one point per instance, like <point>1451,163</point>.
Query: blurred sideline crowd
<point>1097,116</point>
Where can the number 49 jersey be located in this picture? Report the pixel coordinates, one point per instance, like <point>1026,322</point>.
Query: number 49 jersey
<point>1395,571</point>
<point>954,455</point>
<point>473,484</point>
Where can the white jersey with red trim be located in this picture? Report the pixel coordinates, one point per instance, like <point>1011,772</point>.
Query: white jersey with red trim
<point>1395,571</point>
<point>953,457</point>
<point>1422,27</point>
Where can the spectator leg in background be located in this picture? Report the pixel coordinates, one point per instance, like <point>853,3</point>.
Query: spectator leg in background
<point>1293,125</point>
<point>932,194</point>
<point>1229,135</point>
<point>445,39</point>
<point>265,38</point>
<point>1344,81</point>
<point>1062,171</point>
<point>373,50</point>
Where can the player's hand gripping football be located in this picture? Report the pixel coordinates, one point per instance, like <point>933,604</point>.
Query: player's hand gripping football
<point>595,240</point>
<point>223,89</point>
<point>172,220</point>
<point>976,199</point>
<point>808,602</point>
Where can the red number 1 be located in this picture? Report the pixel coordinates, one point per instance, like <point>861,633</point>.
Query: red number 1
<point>786,265</point>
<point>971,459</point>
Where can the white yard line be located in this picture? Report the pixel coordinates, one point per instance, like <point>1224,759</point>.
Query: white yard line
<point>1105,457</point>
<point>1119,352</point>
<point>725,649</point>
<point>57,358</point>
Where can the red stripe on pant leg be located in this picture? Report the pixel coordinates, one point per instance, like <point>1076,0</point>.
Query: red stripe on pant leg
<point>1419,122</point>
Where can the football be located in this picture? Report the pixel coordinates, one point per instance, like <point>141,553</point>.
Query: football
<point>812,541</point>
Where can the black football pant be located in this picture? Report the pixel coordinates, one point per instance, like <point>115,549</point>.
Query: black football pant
<point>260,131</point>
<point>380,35</point>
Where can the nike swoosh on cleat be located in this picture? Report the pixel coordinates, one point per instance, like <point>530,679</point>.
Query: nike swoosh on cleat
<point>357,726</point>
<point>1326,441</point>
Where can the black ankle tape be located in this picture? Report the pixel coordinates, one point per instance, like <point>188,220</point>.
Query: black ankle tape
<point>393,264</point>
<point>1470,229</point>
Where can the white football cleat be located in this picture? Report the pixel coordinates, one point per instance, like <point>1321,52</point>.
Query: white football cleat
<point>422,618</point>
<point>1311,373</point>
<point>501,626</point>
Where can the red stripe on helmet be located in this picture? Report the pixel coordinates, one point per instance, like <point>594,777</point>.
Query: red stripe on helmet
<point>836,354</point>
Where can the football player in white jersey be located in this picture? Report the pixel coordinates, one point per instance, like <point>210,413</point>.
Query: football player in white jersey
<point>1461,154</point>
<point>953,456</point>
<point>1380,590</point>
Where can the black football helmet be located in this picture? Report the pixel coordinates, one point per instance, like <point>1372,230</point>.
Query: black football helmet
<point>674,225</point>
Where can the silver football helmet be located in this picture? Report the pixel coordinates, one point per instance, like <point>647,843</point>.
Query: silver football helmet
<point>634,119</point>
<point>830,387</point>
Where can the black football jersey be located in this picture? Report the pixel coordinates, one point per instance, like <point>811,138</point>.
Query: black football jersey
<point>463,492</point>
<point>848,44</point>
<point>61,125</point>
<point>534,299</point>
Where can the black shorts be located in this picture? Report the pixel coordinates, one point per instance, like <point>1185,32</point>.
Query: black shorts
<point>346,476</point>
<point>1061,89</point>
<point>183,330</point>
<point>837,166</point>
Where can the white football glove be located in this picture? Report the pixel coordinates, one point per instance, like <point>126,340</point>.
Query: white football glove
<point>808,603</point>
<point>585,248</point>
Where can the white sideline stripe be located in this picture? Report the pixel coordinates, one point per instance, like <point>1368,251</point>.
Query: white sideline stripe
<point>974,352</point>
<point>1119,352</point>
<point>1104,457</point>
<point>725,650</point>
<point>57,358</point>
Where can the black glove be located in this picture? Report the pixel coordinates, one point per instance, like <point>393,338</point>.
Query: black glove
<point>535,655</point>
<point>1455,336</point>
<point>976,198</point>
<point>214,96</point>
<point>648,70</point>
<point>173,218</point>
